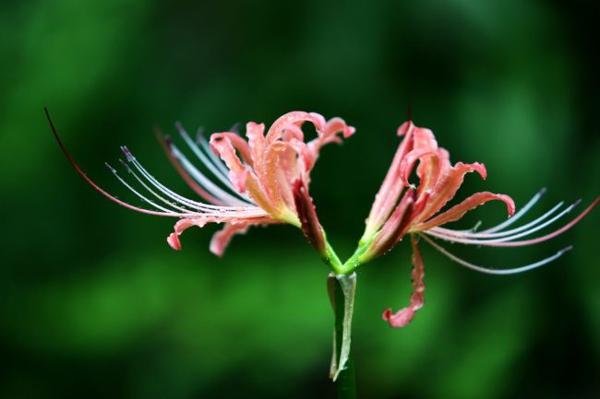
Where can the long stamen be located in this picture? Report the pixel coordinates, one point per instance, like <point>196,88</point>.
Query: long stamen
<point>531,224</point>
<point>141,196</point>
<point>149,189</point>
<point>502,243</point>
<point>487,270</point>
<point>503,240</point>
<point>173,195</point>
<point>519,213</point>
<point>89,181</point>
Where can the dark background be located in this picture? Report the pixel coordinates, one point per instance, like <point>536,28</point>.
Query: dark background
<point>93,303</point>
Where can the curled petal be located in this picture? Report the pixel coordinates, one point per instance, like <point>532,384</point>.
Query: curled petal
<point>233,223</point>
<point>237,142</point>
<point>225,149</point>
<point>457,211</point>
<point>404,316</point>
<point>295,118</point>
<point>431,168</point>
<point>447,186</point>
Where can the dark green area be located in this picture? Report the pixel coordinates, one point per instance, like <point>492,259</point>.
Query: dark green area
<point>93,303</point>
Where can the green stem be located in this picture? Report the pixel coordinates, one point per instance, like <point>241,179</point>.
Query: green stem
<point>341,293</point>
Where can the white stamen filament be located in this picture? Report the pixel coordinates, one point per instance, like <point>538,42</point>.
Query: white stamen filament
<point>143,184</point>
<point>487,270</point>
<point>171,194</point>
<point>483,234</point>
<point>142,197</point>
<point>250,212</point>
<point>209,162</point>
<point>501,241</point>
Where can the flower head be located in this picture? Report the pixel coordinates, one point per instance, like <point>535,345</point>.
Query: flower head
<point>402,208</point>
<point>259,181</point>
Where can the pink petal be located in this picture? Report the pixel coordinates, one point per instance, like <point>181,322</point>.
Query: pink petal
<point>458,211</point>
<point>391,188</point>
<point>225,149</point>
<point>394,228</point>
<point>237,142</point>
<point>200,221</point>
<point>241,176</point>
<point>256,139</point>
<point>296,118</point>
<point>222,238</point>
<point>276,174</point>
<point>446,187</point>
<point>404,316</point>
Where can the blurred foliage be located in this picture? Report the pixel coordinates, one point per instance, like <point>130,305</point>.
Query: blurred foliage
<point>94,303</point>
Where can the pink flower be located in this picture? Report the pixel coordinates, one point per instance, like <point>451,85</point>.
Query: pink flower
<point>259,181</point>
<point>401,208</point>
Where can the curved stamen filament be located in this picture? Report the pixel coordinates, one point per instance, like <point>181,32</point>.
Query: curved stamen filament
<point>93,184</point>
<point>217,169</point>
<point>487,270</point>
<point>173,195</point>
<point>249,211</point>
<point>531,224</point>
<point>500,241</point>
<point>149,189</point>
<point>141,196</point>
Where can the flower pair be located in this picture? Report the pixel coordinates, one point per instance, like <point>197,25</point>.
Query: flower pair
<point>264,179</point>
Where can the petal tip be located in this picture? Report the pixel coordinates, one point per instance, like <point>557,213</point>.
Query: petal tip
<point>404,128</point>
<point>173,241</point>
<point>399,319</point>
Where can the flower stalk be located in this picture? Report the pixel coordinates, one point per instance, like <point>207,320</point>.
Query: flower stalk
<point>342,290</point>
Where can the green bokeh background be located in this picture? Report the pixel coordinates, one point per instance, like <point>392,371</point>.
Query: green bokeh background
<point>93,303</point>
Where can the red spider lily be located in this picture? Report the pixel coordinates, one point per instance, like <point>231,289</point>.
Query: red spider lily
<point>263,180</point>
<point>400,208</point>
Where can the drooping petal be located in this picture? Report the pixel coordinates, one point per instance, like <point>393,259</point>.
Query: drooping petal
<point>457,211</point>
<point>222,238</point>
<point>404,316</point>
<point>202,220</point>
